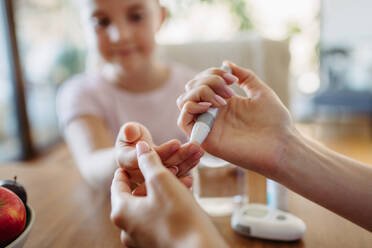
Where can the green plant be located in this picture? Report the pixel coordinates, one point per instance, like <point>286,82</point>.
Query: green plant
<point>237,8</point>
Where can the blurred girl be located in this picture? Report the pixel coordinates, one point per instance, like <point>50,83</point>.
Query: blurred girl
<point>130,84</point>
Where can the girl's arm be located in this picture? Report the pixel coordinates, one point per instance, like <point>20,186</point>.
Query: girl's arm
<point>92,148</point>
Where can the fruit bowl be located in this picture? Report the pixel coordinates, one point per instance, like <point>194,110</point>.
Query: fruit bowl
<point>21,239</point>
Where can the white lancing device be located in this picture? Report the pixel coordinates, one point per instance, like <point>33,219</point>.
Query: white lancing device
<point>204,123</point>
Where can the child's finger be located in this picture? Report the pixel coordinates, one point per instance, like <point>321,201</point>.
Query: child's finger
<point>166,150</point>
<point>190,152</point>
<point>188,164</point>
<point>148,161</point>
<point>125,151</point>
<point>132,132</point>
<point>158,179</point>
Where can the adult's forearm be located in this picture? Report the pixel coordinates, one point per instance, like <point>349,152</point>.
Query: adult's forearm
<point>332,180</point>
<point>201,236</point>
<point>98,168</point>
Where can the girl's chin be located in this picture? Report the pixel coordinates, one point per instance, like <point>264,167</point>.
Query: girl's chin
<point>132,66</point>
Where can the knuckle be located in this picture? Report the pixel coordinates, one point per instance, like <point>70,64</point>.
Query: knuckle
<point>213,70</point>
<point>116,217</point>
<point>119,214</point>
<point>179,121</point>
<point>205,93</point>
<point>188,105</point>
<point>189,85</point>
<point>204,88</point>
<point>180,100</point>
<point>215,79</point>
<point>250,75</point>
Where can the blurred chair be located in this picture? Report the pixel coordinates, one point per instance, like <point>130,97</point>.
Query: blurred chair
<point>269,59</point>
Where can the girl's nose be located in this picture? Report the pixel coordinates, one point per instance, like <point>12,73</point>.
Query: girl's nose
<point>118,33</point>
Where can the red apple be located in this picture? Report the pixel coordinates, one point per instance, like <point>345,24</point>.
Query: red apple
<point>12,216</point>
<point>16,188</point>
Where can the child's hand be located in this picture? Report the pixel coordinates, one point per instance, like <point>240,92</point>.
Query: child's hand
<point>178,159</point>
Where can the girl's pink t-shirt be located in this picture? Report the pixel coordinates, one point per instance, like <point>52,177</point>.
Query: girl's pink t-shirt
<point>157,110</point>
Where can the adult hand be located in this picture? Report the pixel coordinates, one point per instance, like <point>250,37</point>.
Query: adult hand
<point>248,131</point>
<point>167,217</point>
<point>178,158</point>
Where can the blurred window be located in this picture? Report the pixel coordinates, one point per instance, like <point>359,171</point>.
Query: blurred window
<point>51,50</point>
<point>9,142</point>
<point>49,55</point>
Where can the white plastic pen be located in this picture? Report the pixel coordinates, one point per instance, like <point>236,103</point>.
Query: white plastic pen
<point>204,123</point>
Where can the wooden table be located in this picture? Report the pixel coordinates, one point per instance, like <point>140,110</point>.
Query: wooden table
<point>70,214</point>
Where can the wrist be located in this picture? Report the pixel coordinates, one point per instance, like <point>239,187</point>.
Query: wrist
<point>201,240</point>
<point>272,151</point>
<point>294,148</point>
<point>202,234</point>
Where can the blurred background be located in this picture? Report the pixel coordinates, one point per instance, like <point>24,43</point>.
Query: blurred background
<point>317,55</point>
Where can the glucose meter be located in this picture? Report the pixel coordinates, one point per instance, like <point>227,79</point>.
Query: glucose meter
<point>261,221</point>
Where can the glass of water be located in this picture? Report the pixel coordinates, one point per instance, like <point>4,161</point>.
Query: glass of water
<point>219,187</point>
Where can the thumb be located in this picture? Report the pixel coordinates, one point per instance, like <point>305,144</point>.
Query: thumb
<point>148,161</point>
<point>125,152</point>
<point>248,80</point>
<point>122,203</point>
<point>133,132</point>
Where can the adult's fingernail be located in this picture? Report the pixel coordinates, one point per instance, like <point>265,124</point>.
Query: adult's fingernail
<point>220,100</point>
<point>229,91</point>
<point>173,169</point>
<point>142,147</point>
<point>205,104</point>
<point>230,78</point>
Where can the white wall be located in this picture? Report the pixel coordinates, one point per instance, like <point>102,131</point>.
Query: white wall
<point>346,22</point>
